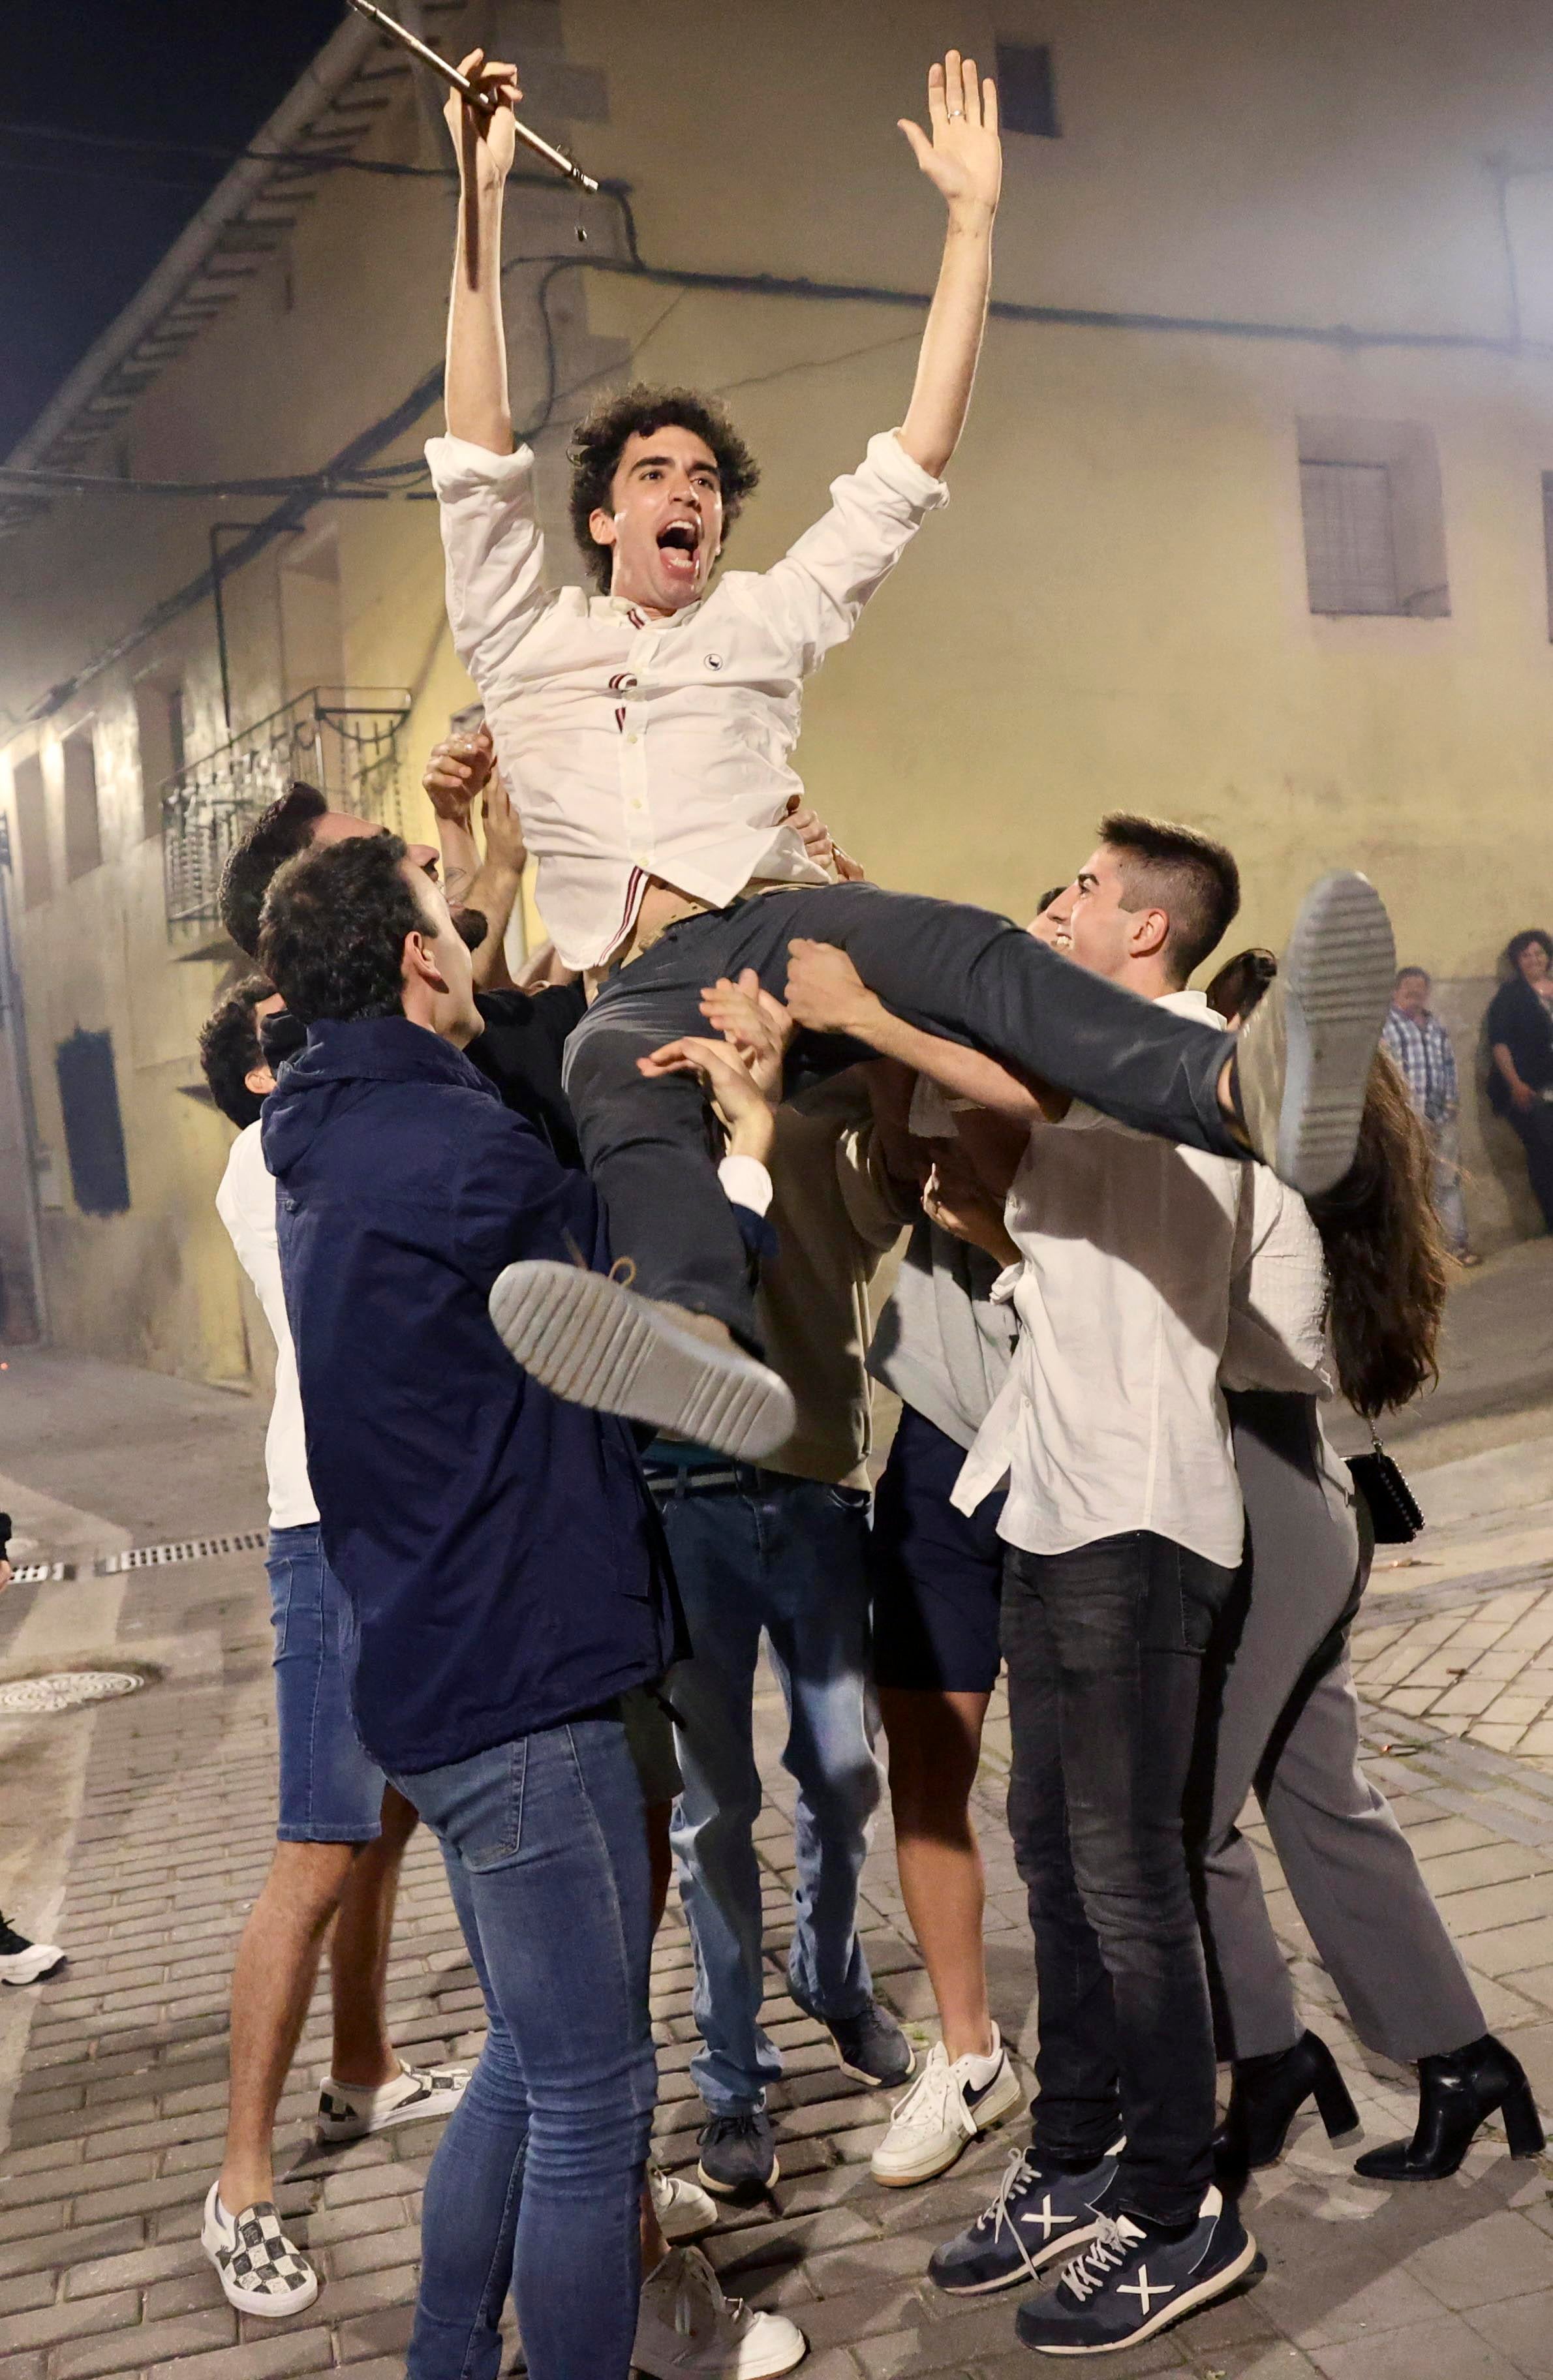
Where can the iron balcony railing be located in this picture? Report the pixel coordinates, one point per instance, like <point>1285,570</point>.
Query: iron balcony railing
<point>341,740</point>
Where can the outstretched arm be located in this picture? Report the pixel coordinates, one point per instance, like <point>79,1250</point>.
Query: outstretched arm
<point>477,407</point>
<point>964,161</point>
<point>826,993</point>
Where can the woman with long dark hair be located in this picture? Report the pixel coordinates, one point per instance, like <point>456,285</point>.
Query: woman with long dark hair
<point>1355,1286</point>
<point>1519,1029</point>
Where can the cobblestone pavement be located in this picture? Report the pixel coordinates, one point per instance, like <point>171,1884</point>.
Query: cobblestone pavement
<point>114,2128</point>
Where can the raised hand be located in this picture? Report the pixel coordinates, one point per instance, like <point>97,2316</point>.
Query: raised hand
<point>825,992</point>
<point>964,158</point>
<point>456,770</point>
<point>505,846</point>
<point>484,140</point>
<point>755,1023</point>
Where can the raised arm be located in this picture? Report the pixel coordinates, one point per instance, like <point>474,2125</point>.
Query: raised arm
<point>964,161</point>
<point>478,408</point>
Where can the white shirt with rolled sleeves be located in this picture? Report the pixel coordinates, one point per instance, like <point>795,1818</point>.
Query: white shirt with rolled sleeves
<point>245,1203</point>
<point>1111,1418</point>
<point>638,748</point>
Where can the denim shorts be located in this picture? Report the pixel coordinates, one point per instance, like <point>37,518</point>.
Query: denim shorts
<point>330,1792</point>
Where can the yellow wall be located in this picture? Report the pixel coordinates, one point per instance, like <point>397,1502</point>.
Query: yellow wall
<point>1112,612</point>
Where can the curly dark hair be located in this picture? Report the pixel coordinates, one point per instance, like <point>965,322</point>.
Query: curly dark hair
<point>1519,943</point>
<point>229,1049</point>
<point>276,834</point>
<point>598,441</point>
<point>332,939</point>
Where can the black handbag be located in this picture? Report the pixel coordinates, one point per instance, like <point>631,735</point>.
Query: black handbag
<point>1393,1508</point>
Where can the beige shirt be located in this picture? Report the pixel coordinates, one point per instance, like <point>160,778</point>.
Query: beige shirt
<point>834,1221</point>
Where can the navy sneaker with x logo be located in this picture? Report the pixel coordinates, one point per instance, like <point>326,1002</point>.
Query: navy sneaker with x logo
<point>1038,2215</point>
<point>1131,2282</point>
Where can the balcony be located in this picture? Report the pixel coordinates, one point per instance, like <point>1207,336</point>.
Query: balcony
<point>341,740</point>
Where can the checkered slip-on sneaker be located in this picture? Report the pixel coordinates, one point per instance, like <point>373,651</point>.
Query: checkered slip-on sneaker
<point>348,2113</point>
<point>259,2269</point>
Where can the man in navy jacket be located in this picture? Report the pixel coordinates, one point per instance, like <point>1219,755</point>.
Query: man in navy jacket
<point>503,1562</point>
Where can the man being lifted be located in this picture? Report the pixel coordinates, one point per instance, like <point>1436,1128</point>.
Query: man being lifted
<point>646,732</point>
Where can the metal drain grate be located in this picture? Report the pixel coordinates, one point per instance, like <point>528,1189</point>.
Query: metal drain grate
<point>243,1541</point>
<point>40,1573</point>
<point>66,1690</point>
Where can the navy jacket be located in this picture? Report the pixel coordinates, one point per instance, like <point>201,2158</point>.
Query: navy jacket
<point>498,1547</point>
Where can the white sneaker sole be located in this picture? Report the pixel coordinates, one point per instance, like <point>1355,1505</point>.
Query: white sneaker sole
<point>1007,2092</point>
<point>745,2191</point>
<point>588,1340</point>
<point>1190,2301</point>
<point>265,2304</point>
<point>32,1966</point>
<point>751,2359</point>
<point>335,2134</point>
<point>1338,974</point>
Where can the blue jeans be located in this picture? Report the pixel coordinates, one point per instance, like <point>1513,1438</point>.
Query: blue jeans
<point>537,2181</point>
<point>330,1792</point>
<point>788,1556</point>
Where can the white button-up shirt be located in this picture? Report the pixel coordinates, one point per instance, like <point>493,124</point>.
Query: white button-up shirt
<point>638,747</point>
<point>1111,1418</point>
<point>245,1203</point>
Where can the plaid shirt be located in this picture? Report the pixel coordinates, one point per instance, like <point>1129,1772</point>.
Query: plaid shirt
<point>1421,1047</point>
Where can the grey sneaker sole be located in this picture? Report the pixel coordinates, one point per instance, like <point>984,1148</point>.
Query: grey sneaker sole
<point>596,1343</point>
<point>1334,988</point>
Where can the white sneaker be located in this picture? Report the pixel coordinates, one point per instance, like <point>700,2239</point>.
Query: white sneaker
<point>688,2330</point>
<point>22,1962</point>
<point>683,2208</point>
<point>347,2112</point>
<point>259,2269</point>
<point>944,2109</point>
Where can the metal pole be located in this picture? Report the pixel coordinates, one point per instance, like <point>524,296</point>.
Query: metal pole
<point>14,1019</point>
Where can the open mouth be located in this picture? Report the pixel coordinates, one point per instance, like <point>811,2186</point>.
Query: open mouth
<point>679,544</point>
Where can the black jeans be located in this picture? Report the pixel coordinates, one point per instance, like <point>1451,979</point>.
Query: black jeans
<point>952,969</point>
<point>1104,1648</point>
<point>1534,1127</point>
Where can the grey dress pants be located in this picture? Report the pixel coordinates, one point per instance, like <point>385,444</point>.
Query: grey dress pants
<point>1288,1729</point>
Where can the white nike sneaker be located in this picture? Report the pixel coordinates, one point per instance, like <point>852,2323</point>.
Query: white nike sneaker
<point>345,2112</point>
<point>688,2330</point>
<point>943,2111</point>
<point>683,2208</point>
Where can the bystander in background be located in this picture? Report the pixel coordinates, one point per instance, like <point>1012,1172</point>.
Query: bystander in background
<point>1422,1048</point>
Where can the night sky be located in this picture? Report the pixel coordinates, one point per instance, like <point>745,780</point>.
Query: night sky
<point>82,225</point>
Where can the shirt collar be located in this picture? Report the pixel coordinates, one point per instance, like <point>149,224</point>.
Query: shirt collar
<point>614,607</point>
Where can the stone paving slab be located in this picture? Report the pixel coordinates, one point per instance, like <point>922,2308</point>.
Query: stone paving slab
<point>114,2129</point>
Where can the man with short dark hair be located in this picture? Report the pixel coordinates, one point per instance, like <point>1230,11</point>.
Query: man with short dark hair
<point>341,1829</point>
<point>1422,1048</point>
<point>648,731</point>
<point>503,1566</point>
<point>1125,1525</point>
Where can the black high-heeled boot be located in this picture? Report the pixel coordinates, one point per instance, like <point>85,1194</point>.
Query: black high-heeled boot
<point>1457,2094</point>
<point>1266,2096</point>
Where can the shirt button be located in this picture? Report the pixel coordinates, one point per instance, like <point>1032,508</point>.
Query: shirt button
<point>634,738</point>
